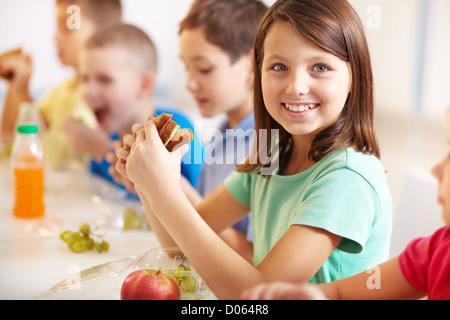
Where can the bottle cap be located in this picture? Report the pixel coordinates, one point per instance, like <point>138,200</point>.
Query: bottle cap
<point>28,129</point>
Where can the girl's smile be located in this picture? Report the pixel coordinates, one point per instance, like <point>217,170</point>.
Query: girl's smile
<point>300,110</point>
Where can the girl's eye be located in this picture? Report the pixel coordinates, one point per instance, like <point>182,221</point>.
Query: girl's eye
<point>320,68</point>
<point>279,67</point>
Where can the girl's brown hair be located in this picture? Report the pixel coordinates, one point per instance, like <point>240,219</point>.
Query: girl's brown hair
<point>332,26</point>
<point>229,24</point>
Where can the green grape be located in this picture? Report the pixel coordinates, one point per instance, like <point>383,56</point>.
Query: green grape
<point>129,213</point>
<point>67,236</point>
<point>171,274</point>
<point>76,236</point>
<point>131,220</point>
<point>84,240</point>
<point>85,229</point>
<point>102,246</point>
<point>190,284</point>
<point>182,267</point>
<point>90,243</point>
<point>175,275</point>
<point>105,245</point>
<point>187,284</point>
<point>79,246</point>
<point>98,247</point>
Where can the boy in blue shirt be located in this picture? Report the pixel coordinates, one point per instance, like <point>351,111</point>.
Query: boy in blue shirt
<point>216,46</point>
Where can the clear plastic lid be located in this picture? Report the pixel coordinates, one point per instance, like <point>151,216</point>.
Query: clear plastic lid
<point>105,281</point>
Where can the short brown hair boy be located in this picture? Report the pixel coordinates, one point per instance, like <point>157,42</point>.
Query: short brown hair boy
<point>229,24</point>
<point>133,39</point>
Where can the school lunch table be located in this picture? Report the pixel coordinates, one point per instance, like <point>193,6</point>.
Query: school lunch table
<point>33,259</point>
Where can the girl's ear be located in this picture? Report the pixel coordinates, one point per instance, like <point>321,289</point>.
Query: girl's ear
<point>148,83</point>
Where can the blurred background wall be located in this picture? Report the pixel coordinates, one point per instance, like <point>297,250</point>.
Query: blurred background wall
<point>410,54</point>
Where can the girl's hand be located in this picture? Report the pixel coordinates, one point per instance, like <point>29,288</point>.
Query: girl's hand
<point>123,152</point>
<point>151,167</point>
<point>284,291</point>
<point>117,176</point>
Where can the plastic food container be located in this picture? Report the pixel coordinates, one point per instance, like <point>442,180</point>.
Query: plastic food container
<point>173,262</point>
<point>103,282</point>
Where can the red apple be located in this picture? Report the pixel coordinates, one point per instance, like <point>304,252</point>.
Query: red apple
<point>147,284</point>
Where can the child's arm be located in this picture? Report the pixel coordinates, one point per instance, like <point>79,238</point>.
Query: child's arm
<point>239,242</point>
<point>384,282</point>
<point>235,239</point>
<point>83,140</point>
<point>296,256</point>
<point>193,195</point>
<point>284,291</point>
<point>17,93</point>
<point>164,238</point>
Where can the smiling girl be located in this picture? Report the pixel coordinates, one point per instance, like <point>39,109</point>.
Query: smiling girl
<point>325,212</point>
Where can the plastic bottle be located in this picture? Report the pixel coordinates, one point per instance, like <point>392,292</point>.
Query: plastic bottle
<point>29,114</point>
<point>28,169</point>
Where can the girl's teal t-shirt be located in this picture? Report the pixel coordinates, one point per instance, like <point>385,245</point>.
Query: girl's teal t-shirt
<point>346,193</point>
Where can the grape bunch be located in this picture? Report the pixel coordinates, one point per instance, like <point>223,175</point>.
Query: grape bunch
<point>132,220</point>
<point>186,282</point>
<point>84,240</point>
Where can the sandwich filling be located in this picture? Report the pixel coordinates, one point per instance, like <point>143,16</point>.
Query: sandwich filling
<point>169,131</point>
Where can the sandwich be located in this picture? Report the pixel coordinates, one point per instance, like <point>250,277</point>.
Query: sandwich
<point>17,52</point>
<point>170,133</point>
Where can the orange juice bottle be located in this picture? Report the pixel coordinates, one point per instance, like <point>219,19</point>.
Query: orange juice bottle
<point>28,169</point>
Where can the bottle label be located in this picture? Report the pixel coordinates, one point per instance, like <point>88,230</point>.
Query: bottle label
<point>29,192</point>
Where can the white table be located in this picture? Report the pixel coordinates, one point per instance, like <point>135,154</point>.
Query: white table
<point>33,258</point>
